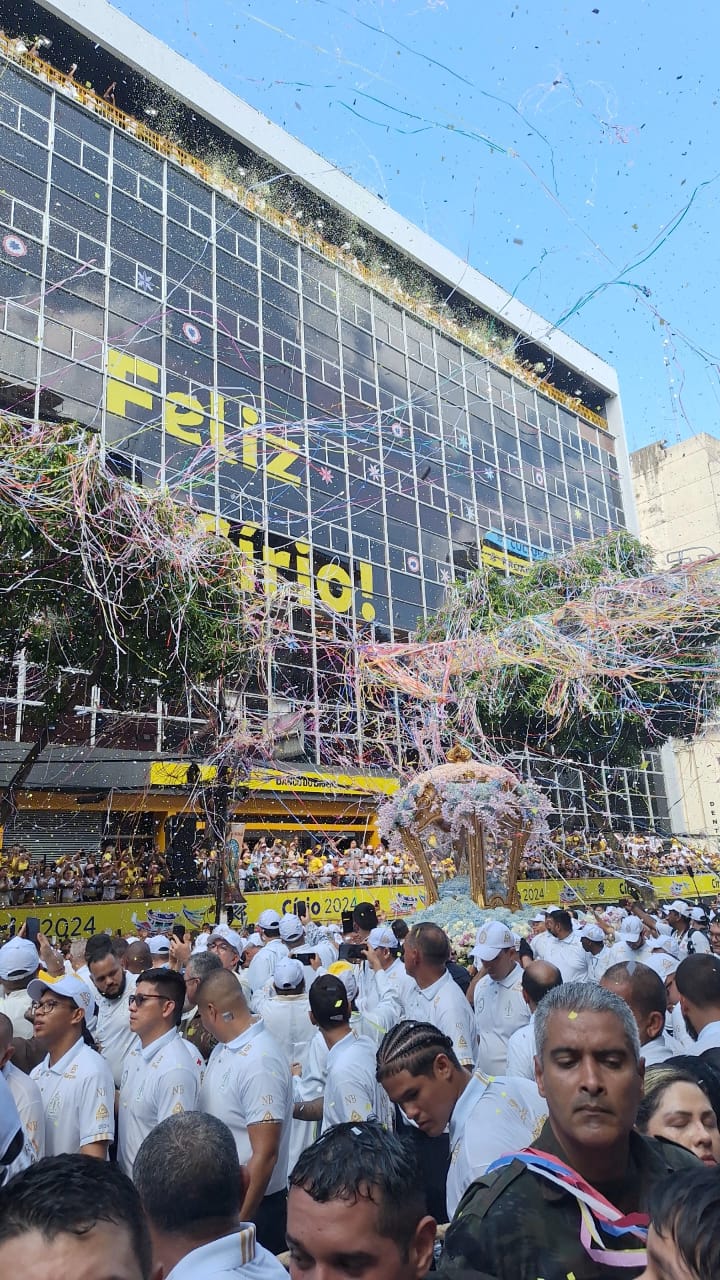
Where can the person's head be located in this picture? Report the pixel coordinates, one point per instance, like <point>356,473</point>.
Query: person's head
<point>268,925</point>
<point>329,1002</point>
<point>76,953</point>
<point>119,946</point>
<point>365,919</point>
<point>588,1068</point>
<point>227,945</point>
<point>559,923</point>
<point>697,979</point>
<point>495,949</point>
<point>678,916</point>
<point>19,962</point>
<point>538,978</point>
<point>106,970</point>
<point>159,947</point>
<point>197,969</point>
<point>72,1216</point>
<point>289,977</point>
<point>714,936</point>
<point>356,1207</point>
<point>400,929</point>
<point>385,945</point>
<point>644,991</point>
<point>7,1047</point>
<point>190,1182</point>
<point>426,951</point>
<point>138,957</point>
<point>60,1010</point>
<point>156,1004</point>
<point>222,1006</point>
<point>676,1105</point>
<point>592,939</point>
<point>420,1072</point>
<point>684,1235</point>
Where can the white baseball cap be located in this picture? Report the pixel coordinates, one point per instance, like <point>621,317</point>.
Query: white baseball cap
<point>18,959</point>
<point>269,919</point>
<point>539,918</point>
<point>383,936</point>
<point>670,945</point>
<point>346,973</point>
<point>231,936</point>
<point>662,964</point>
<point>254,941</point>
<point>159,945</point>
<point>630,928</point>
<point>74,988</point>
<point>592,932</point>
<point>289,974</point>
<point>491,939</point>
<point>682,908</point>
<point>291,928</point>
<point>698,915</point>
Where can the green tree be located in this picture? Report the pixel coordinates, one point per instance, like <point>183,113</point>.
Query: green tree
<point>665,676</point>
<point>103,582</point>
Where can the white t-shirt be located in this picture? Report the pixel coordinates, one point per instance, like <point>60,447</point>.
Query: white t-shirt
<point>247,1081</point>
<point>491,1118</point>
<point>237,1255</point>
<point>307,1088</point>
<point>566,954</point>
<point>351,1090</point>
<point>158,1081</point>
<point>287,1018</point>
<point>262,966</point>
<point>386,1011</point>
<point>447,1008</point>
<point>78,1095</point>
<point>621,953</point>
<point>521,1052</point>
<point>28,1100</point>
<point>708,1038</point>
<point>597,966</point>
<point>398,976</point>
<point>15,1005</point>
<point>658,1050</point>
<point>112,1033</point>
<point>701,945</point>
<point>500,1009</point>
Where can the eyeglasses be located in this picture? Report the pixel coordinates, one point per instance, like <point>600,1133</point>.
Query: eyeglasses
<point>140,1000</point>
<point>48,1005</point>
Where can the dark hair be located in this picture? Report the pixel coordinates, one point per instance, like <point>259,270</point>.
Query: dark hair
<point>187,1172</point>
<point>169,984</point>
<point>687,1210</point>
<point>658,1080</point>
<point>533,986</point>
<point>703,1073</point>
<point>698,979</point>
<point>412,1046</point>
<point>563,918</point>
<point>400,929</point>
<point>432,943</point>
<point>99,947</point>
<point>71,1194</point>
<point>647,989</point>
<point>119,946</point>
<point>362,1161</point>
<point>365,916</point>
<point>329,1002</point>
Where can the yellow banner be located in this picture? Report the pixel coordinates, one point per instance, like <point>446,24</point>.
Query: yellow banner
<point>610,889</point>
<point>173,773</point>
<point>81,919</point>
<point>329,904</point>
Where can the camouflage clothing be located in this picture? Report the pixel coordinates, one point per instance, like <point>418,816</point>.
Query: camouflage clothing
<point>516,1225</point>
<point>200,1039</point>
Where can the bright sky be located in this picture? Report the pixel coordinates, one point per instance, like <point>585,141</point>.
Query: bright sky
<point>570,151</point>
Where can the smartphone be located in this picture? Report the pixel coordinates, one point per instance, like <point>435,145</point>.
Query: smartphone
<point>351,951</point>
<point>179,931</point>
<point>301,909</point>
<point>305,957</point>
<point>32,928</point>
<point>348,924</point>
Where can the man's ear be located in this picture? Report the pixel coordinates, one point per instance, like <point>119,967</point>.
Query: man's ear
<point>538,1076</point>
<point>421,1247</point>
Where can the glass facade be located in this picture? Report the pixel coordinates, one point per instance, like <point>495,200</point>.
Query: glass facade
<point>345,444</point>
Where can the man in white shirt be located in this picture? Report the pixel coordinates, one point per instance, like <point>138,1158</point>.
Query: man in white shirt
<point>690,941</point>
<point>247,1084</point>
<point>114,986</point>
<point>75,1082</point>
<point>383,957</point>
<point>160,1077</point>
<point>351,1089</point>
<point>262,965</point>
<point>191,1184</point>
<point>25,1093</point>
<point>437,997</point>
<point>498,1000</point>
<point>159,947</point>
<point>644,991</point>
<point>285,1010</point>
<point>538,978</point>
<point>560,945</point>
<point>592,940</point>
<point>419,1070</point>
<point>630,944</point>
<point>19,962</point>
<point>697,979</point>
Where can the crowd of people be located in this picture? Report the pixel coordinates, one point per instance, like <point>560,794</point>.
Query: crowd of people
<point>354,1101</point>
<point>120,872</point>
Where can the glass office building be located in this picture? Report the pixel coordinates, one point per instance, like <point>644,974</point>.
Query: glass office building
<point>357,437</point>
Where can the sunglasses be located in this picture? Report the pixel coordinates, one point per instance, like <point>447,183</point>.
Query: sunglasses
<point>139,1001</point>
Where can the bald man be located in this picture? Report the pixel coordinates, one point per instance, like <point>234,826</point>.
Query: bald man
<point>138,958</point>
<point>25,1093</point>
<point>247,1084</point>
<point>538,978</point>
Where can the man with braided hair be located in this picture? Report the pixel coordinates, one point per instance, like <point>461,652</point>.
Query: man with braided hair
<point>420,1071</point>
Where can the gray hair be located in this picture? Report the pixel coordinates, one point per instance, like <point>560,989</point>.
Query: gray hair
<point>187,1172</point>
<point>203,963</point>
<point>584,997</point>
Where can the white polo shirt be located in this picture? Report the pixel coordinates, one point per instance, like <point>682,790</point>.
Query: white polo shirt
<point>28,1100</point>
<point>398,977</point>
<point>521,1052</point>
<point>386,1011</point>
<point>78,1096</point>
<point>287,1018</point>
<point>158,1081</point>
<point>247,1081</point>
<point>235,1255</point>
<point>491,1118</point>
<point>701,944</point>
<point>112,1033</point>
<point>567,955</point>
<point>262,966</point>
<point>708,1038</point>
<point>307,1088</point>
<point>597,966</point>
<point>657,1050</point>
<point>500,1009</point>
<point>15,1005</point>
<point>447,1008</point>
<point>621,953</point>
<point>351,1089</point>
